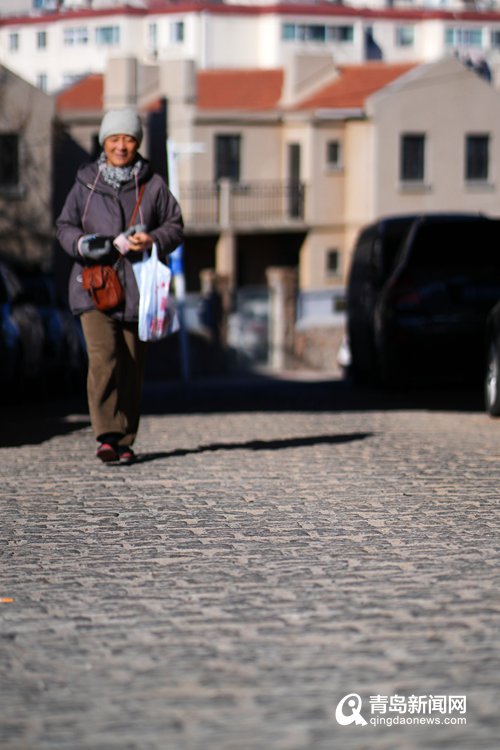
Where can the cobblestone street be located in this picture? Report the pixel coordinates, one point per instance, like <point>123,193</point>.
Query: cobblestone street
<point>272,551</point>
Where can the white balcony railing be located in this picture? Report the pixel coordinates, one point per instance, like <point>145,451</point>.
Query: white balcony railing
<point>234,205</point>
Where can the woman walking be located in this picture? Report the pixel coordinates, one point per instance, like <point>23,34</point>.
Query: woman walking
<point>115,211</point>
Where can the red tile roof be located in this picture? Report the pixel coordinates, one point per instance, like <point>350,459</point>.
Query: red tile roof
<point>254,90</point>
<point>353,85</point>
<point>86,94</point>
<point>239,89</point>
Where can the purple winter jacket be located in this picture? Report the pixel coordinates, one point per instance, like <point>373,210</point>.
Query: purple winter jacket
<point>93,206</point>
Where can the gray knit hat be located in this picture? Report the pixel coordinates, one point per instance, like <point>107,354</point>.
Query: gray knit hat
<point>121,122</point>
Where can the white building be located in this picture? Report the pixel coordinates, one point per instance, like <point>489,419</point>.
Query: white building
<point>53,49</point>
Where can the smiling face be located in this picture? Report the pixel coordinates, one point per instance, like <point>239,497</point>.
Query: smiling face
<point>120,150</point>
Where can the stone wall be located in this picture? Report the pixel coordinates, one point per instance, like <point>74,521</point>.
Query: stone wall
<point>317,348</point>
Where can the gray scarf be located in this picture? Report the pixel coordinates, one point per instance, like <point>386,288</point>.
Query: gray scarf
<point>118,176</point>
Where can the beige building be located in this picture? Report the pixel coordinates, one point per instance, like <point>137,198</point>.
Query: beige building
<point>26,174</point>
<point>426,141</point>
<point>283,167</point>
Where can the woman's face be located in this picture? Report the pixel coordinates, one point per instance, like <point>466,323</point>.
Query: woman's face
<point>120,150</point>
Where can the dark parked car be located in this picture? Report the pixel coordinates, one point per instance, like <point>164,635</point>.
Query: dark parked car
<point>63,354</point>
<point>21,333</point>
<point>423,317</point>
<point>41,343</point>
<point>492,378</point>
<point>10,337</point>
<point>373,261</point>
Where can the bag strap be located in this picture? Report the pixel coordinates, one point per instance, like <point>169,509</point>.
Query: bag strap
<point>138,203</point>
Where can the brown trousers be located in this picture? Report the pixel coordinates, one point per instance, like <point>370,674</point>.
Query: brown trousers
<point>115,376</point>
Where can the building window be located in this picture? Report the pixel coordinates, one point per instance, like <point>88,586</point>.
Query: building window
<point>412,159</point>
<point>107,35</point>
<point>476,157</point>
<point>41,39</point>
<point>68,79</point>
<point>316,32</point>
<point>495,39</point>
<point>227,157</point>
<point>177,32</point>
<point>9,160</point>
<point>456,37</point>
<point>13,42</point>
<point>75,35</point>
<point>405,36</point>
<point>340,33</point>
<point>333,155</point>
<point>42,81</point>
<point>332,262</point>
<point>153,38</point>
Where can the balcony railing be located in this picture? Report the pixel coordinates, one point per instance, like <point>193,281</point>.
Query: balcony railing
<point>240,205</point>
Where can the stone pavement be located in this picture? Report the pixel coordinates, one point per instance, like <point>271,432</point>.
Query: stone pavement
<point>275,549</point>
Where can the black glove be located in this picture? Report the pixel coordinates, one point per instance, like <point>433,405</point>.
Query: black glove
<point>95,246</point>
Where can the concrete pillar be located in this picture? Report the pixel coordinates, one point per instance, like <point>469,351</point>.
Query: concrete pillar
<point>121,83</point>
<point>225,257</point>
<point>225,203</point>
<point>282,284</point>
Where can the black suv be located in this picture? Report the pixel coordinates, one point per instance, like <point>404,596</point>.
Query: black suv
<point>419,293</point>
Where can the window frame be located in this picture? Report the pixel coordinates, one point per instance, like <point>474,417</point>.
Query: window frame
<point>74,36</point>
<point>42,82</point>
<point>400,32</point>
<point>14,41</point>
<point>10,151</point>
<point>317,33</point>
<point>223,160</point>
<point>177,32</point>
<point>152,32</point>
<point>495,38</point>
<point>41,39</point>
<point>335,272</point>
<point>333,164</point>
<point>412,174</point>
<point>477,165</point>
<point>463,36</point>
<point>108,35</point>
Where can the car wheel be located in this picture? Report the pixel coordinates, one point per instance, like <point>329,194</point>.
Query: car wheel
<point>492,381</point>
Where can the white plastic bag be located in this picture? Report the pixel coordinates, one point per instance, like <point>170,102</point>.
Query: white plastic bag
<point>156,319</point>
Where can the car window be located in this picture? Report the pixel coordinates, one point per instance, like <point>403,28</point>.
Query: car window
<point>458,246</point>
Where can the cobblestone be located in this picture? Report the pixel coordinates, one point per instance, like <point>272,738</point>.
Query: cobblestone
<point>252,569</point>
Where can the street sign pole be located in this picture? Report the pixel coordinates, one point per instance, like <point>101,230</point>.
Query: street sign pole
<point>177,268</point>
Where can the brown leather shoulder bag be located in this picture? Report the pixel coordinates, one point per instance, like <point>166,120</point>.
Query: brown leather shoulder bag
<point>102,282</point>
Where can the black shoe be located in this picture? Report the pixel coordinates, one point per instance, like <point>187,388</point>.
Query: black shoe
<point>108,453</point>
<point>126,454</point>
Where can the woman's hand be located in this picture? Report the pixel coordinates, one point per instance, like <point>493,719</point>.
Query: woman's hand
<point>140,241</point>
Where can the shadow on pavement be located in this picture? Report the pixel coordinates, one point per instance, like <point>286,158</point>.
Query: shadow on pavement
<point>265,393</point>
<point>32,424</point>
<point>34,421</point>
<point>257,445</point>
